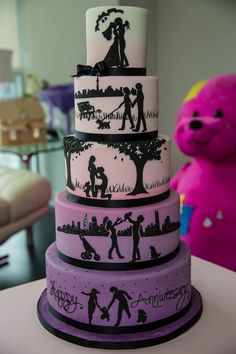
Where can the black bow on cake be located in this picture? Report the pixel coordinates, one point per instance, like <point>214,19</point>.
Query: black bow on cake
<point>98,69</point>
<point>101,69</point>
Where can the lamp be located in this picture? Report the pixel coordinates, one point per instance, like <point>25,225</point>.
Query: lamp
<point>5,65</point>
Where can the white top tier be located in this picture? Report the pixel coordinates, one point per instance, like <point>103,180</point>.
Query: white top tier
<point>117,35</point>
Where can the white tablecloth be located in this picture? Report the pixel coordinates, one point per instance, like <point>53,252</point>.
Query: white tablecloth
<point>215,333</point>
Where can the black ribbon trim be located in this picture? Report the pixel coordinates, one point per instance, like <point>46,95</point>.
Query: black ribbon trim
<point>117,203</point>
<point>120,330</point>
<point>116,137</point>
<point>119,345</point>
<point>117,266</point>
<point>101,69</point>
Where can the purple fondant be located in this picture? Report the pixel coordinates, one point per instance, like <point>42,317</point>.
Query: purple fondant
<point>159,234</point>
<point>98,297</point>
<point>121,341</point>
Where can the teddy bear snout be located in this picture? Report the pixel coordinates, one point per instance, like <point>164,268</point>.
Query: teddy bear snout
<point>195,124</point>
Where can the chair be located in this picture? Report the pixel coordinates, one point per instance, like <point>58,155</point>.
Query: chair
<point>24,198</point>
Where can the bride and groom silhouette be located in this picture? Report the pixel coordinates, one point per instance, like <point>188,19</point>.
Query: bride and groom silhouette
<point>116,54</point>
<point>96,175</point>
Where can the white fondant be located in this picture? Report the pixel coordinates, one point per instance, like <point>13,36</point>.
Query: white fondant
<point>135,37</point>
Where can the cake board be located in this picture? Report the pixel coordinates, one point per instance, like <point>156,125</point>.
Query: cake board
<point>159,335</point>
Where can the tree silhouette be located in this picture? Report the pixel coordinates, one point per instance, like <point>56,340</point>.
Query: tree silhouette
<point>73,145</point>
<point>139,152</point>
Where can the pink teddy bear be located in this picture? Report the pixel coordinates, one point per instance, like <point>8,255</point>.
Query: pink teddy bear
<point>206,131</point>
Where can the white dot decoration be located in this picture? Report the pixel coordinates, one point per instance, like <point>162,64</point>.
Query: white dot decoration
<point>219,215</point>
<point>207,223</point>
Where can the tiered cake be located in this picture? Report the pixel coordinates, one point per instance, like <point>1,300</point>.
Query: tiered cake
<point>118,275</point>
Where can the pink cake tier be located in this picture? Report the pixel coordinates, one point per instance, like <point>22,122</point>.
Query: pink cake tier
<point>117,35</point>
<point>117,174</point>
<point>125,107</point>
<point>118,302</point>
<point>117,238</point>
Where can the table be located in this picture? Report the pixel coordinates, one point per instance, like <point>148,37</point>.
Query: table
<point>215,333</point>
<point>25,152</point>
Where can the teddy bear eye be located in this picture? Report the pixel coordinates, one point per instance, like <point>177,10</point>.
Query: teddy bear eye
<point>218,113</point>
<point>195,114</point>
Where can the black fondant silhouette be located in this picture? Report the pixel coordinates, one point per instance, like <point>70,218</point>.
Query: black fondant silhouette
<point>105,314</point>
<point>89,250</point>
<point>142,316</point>
<point>127,112</point>
<point>154,228</point>
<point>95,174</point>
<point>99,92</point>
<point>135,234</point>
<point>87,189</point>
<point>113,235</point>
<point>116,54</point>
<point>104,16</point>
<point>139,101</point>
<point>86,110</point>
<point>92,173</point>
<point>92,303</point>
<point>139,153</point>
<point>103,186</point>
<point>154,253</point>
<point>72,145</point>
<point>102,124</point>
<point>122,297</point>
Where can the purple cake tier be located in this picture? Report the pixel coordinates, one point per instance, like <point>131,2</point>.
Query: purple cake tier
<point>161,333</point>
<point>122,106</point>
<point>117,35</point>
<point>117,238</point>
<point>118,302</point>
<point>117,174</point>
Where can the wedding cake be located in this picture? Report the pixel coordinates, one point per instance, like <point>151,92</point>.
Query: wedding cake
<point>118,275</point>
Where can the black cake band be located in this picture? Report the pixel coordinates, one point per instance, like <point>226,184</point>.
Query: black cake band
<point>117,203</point>
<point>100,69</point>
<point>116,137</point>
<point>120,330</point>
<point>117,266</point>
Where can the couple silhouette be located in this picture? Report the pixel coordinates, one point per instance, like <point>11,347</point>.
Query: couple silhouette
<point>120,296</point>
<point>116,54</point>
<point>136,234</point>
<point>93,186</point>
<point>128,105</point>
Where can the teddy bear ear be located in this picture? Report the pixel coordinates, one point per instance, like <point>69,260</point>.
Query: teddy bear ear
<point>193,92</point>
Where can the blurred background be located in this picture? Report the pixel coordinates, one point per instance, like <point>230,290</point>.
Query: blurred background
<point>188,41</point>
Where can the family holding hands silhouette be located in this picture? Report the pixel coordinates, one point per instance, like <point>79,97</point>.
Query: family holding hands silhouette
<point>119,296</point>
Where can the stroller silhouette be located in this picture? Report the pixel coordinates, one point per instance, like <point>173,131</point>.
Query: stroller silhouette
<point>89,250</point>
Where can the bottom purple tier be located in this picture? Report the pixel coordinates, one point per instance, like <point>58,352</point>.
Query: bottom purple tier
<point>120,341</point>
<point>119,301</point>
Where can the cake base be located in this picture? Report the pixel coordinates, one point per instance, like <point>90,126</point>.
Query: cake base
<point>119,341</point>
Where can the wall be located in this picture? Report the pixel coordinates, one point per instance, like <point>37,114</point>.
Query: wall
<point>54,36</point>
<point>189,40</point>
<point>196,40</point>
<point>9,30</point>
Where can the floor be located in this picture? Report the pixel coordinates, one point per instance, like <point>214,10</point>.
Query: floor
<point>27,264</point>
